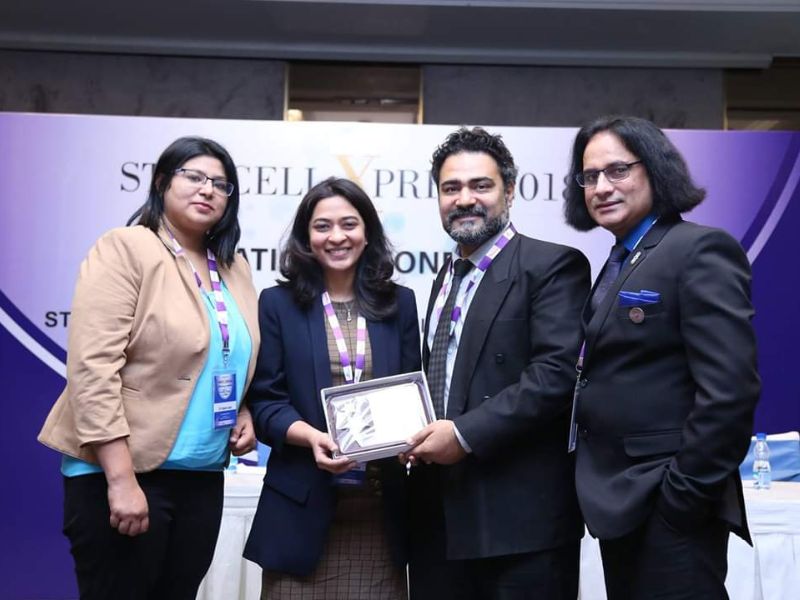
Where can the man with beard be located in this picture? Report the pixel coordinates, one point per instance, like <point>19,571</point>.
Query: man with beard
<point>493,506</point>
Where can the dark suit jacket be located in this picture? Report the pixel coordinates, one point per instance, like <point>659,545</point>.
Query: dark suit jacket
<point>666,405</point>
<point>298,499</point>
<point>509,397</point>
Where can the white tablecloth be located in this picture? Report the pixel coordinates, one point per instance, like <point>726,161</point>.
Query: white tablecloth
<point>769,571</point>
<point>231,576</point>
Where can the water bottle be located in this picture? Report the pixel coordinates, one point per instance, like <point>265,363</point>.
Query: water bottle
<point>762,474</point>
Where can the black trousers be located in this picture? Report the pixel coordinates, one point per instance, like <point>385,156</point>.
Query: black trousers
<point>168,561</point>
<point>550,574</point>
<point>658,562</point>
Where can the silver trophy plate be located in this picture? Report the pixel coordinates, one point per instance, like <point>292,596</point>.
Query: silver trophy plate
<point>373,419</point>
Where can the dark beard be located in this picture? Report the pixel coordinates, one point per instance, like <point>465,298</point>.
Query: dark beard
<point>475,236</point>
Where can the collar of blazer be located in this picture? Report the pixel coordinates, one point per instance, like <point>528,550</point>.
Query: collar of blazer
<point>379,337</point>
<point>164,237</point>
<point>482,311</point>
<point>636,258</point>
<point>238,281</point>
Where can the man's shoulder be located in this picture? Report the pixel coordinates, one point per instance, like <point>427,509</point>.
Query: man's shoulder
<point>685,234</point>
<point>547,251</point>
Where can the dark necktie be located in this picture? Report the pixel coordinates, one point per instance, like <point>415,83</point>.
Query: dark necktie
<point>437,360</point>
<point>610,274</point>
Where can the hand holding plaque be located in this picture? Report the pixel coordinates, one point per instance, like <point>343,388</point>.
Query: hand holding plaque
<point>373,419</point>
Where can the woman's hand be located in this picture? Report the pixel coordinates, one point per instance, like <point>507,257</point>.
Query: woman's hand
<point>323,448</point>
<point>128,506</point>
<point>243,434</point>
<point>126,500</point>
<point>301,433</point>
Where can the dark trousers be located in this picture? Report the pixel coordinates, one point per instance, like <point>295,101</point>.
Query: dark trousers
<point>657,562</point>
<point>168,561</point>
<point>550,574</point>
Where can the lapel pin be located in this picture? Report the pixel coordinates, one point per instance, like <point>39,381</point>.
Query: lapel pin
<point>636,314</point>
<point>636,257</point>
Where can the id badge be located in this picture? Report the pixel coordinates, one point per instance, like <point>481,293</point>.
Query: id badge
<point>356,476</point>
<point>573,425</point>
<point>224,391</point>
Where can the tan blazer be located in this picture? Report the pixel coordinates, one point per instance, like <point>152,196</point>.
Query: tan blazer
<point>138,340</point>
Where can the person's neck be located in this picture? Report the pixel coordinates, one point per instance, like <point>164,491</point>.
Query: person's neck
<point>339,285</point>
<point>465,251</point>
<point>190,241</point>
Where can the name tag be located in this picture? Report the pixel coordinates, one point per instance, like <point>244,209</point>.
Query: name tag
<point>573,425</point>
<point>356,476</point>
<point>224,390</point>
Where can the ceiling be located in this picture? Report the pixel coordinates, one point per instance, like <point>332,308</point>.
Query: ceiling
<point>710,33</point>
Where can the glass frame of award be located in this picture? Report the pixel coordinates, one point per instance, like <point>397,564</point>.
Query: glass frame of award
<point>373,419</point>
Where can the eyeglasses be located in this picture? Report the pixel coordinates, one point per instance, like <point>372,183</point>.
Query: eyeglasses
<point>613,172</point>
<point>198,179</point>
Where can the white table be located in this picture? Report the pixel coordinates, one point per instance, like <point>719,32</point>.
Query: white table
<point>231,576</point>
<point>769,571</point>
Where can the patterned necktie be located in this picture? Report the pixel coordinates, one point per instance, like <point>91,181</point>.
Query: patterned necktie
<point>437,360</point>
<point>610,274</point>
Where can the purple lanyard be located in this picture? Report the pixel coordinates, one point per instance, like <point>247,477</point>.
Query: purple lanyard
<point>341,346</point>
<point>508,233</point>
<point>216,288</point>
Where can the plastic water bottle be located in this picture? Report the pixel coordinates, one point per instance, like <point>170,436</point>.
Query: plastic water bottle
<point>762,474</point>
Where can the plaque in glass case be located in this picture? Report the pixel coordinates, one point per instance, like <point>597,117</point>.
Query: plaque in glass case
<point>373,419</point>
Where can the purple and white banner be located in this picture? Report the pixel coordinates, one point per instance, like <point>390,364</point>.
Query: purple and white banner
<point>64,180</point>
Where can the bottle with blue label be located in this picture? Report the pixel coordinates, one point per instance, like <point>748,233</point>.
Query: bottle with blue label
<point>762,474</point>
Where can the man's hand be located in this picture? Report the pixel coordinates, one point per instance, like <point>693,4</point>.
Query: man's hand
<point>437,443</point>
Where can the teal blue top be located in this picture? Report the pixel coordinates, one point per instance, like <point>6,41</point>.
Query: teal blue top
<point>198,446</point>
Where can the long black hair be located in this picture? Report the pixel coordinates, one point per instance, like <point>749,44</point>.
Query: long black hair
<point>375,292</point>
<point>672,187</point>
<point>223,237</point>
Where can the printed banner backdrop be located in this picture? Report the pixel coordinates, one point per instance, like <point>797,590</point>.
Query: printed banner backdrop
<point>67,179</point>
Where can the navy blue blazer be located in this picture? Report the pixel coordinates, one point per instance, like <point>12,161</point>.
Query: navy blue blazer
<point>298,499</point>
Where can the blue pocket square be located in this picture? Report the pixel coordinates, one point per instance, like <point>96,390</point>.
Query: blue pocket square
<point>638,298</point>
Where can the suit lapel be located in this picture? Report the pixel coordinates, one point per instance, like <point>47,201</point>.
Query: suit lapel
<point>379,337</point>
<point>437,285</point>
<point>488,299</point>
<point>319,351</point>
<point>633,262</point>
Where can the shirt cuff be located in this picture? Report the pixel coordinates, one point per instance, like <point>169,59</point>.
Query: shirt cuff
<point>461,440</point>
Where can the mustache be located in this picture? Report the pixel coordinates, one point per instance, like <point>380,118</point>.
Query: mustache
<point>457,213</point>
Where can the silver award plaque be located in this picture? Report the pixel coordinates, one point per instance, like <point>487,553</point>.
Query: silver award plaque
<point>373,419</point>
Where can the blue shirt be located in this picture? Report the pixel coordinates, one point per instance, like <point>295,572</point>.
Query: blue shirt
<point>636,234</point>
<point>197,445</point>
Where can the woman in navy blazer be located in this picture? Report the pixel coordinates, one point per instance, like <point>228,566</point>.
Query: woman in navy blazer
<point>314,535</point>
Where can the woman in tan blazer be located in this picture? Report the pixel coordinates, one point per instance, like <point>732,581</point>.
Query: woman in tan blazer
<point>162,347</point>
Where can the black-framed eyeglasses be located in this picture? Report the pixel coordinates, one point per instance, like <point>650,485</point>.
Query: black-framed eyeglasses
<point>613,172</point>
<point>198,179</point>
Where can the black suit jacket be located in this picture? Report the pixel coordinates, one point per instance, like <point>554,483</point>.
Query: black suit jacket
<point>298,499</point>
<point>666,405</point>
<point>509,398</point>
